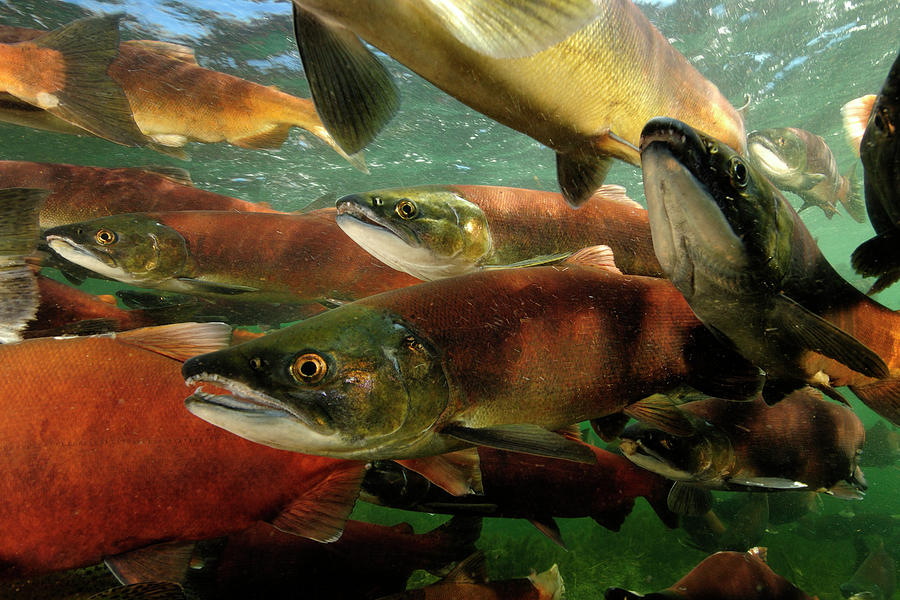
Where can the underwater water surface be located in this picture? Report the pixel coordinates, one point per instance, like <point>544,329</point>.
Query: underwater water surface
<point>798,61</point>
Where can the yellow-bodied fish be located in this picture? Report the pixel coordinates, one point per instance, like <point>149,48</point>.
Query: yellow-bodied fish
<point>586,95</point>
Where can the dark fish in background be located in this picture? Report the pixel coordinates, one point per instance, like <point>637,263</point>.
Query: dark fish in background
<point>880,154</point>
<point>440,231</point>
<point>290,258</point>
<point>802,443</point>
<point>525,486</point>
<point>65,72</point>
<point>800,162</point>
<point>876,577</point>
<point>83,193</point>
<point>468,581</point>
<point>882,447</point>
<point>534,67</point>
<point>751,271</point>
<point>173,101</point>
<point>500,358</point>
<point>369,561</point>
<point>742,528</point>
<point>724,576</point>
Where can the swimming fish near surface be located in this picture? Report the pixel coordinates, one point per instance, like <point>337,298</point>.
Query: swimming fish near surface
<point>440,231</point>
<point>801,443</point>
<point>499,358</point>
<point>880,153</point>
<point>82,193</point>
<point>65,72</point>
<point>752,272</point>
<point>533,66</point>
<point>724,576</point>
<point>173,101</point>
<point>289,258</point>
<point>800,162</point>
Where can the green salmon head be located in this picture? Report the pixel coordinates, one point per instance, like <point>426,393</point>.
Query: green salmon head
<point>706,456</point>
<point>131,248</point>
<point>354,382</point>
<point>781,155</point>
<point>429,232</point>
<point>712,216</point>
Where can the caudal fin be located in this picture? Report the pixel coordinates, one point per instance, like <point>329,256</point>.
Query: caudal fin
<point>850,197</point>
<point>90,98</point>
<point>882,396</point>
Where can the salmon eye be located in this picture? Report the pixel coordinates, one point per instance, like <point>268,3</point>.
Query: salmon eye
<point>738,172</point>
<point>105,237</point>
<point>406,209</point>
<point>309,368</point>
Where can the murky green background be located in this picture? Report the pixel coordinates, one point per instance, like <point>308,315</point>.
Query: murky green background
<point>798,61</point>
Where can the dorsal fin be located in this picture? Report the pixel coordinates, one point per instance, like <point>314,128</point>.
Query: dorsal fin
<point>595,256</point>
<point>616,193</point>
<point>180,341</point>
<point>168,49</point>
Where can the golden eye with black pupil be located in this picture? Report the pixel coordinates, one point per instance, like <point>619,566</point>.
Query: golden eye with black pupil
<point>309,368</point>
<point>738,172</point>
<point>256,363</point>
<point>105,237</point>
<point>406,209</point>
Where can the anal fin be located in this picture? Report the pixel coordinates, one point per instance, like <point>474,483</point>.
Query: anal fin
<point>160,562</point>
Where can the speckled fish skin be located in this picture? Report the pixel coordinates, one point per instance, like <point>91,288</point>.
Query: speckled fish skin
<point>609,77</point>
<point>97,427</point>
<point>81,193</point>
<point>542,346</point>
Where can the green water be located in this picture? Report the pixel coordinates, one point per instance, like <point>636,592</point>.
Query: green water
<point>798,61</point>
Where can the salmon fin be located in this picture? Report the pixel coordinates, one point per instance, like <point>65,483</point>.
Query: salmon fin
<point>513,29</point>
<point>616,193</point>
<point>472,569</point>
<point>327,200</point>
<point>19,236</point>
<point>457,473</point>
<point>688,499</point>
<point>831,393</point>
<point>612,519</point>
<point>357,160</point>
<point>353,92</point>
<point>855,115</point>
<point>716,369</point>
<point>846,491</point>
<point>534,261</point>
<point>180,341</point>
<point>572,432</point>
<point>156,590</point>
<point>152,300</point>
<point>549,584</point>
<point>527,438</point>
<point>660,412</point>
<point>453,541</point>
<point>771,483</point>
<point>811,180</point>
<point>879,256</point>
<point>610,427</point>
<point>176,174</point>
<point>816,334</point>
<point>168,49</point>
<point>322,511</point>
<point>173,151</point>
<point>881,396</point>
<point>549,527</point>
<point>168,561</point>
<point>90,98</point>
<point>579,176</point>
<point>658,498</point>
<point>852,200</point>
<point>83,327</point>
<point>599,256</point>
<point>614,593</point>
<point>273,137</point>
<point>214,287</point>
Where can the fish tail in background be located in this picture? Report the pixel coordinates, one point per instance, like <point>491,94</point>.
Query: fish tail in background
<point>89,97</point>
<point>19,235</point>
<point>450,543</point>
<point>850,197</point>
<point>882,396</point>
<point>855,115</point>
<point>877,257</point>
<point>548,584</point>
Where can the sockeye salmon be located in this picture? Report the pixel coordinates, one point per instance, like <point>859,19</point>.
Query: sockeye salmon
<point>173,101</point>
<point>83,193</point>
<point>66,73</point>
<point>752,272</point>
<point>288,258</point>
<point>585,95</point>
<point>440,231</point>
<point>498,358</point>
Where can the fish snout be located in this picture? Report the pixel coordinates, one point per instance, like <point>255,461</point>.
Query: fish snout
<point>672,132</point>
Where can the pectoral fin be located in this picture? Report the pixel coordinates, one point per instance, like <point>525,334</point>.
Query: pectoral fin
<point>535,261</point>
<point>816,334</point>
<point>457,473</point>
<point>160,562</point>
<point>513,28</point>
<point>202,286</point>
<point>353,92</point>
<point>688,499</point>
<point>526,438</point>
<point>661,413</point>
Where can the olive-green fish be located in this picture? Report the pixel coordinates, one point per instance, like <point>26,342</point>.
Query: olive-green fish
<point>800,162</point>
<point>751,271</point>
<point>581,77</point>
<point>440,231</point>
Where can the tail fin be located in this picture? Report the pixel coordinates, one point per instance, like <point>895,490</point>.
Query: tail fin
<point>850,197</point>
<point>549,584</point>
<point>90,98</point>
<point>882,396</point>
<point>450,543</point>
<point>307,118</point>
<point>855,115</point>
<point>19,235</point>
